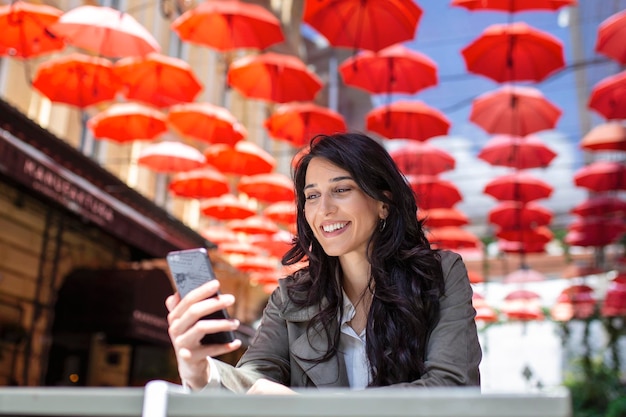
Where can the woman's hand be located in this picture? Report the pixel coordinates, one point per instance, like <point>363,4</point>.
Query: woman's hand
<point>265,386</point>
<point>186,329</point>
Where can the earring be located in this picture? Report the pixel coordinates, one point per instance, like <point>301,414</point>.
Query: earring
<point>382,224</point>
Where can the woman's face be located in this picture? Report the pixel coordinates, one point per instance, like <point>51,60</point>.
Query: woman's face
<point>340,214</point>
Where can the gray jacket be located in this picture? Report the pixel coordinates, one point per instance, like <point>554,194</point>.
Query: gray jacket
<point>280,348</point>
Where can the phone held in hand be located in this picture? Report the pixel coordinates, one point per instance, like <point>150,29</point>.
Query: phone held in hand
<point>189,269</point>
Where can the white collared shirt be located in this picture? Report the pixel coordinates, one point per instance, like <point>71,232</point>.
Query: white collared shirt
<point>352,347</point>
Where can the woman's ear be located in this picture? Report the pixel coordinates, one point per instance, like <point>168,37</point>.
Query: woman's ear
<point>384,207</point>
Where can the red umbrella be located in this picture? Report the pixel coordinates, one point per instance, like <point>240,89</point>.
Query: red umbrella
<point>600,205</point>
<point>513,6</point>
<point>358,24</point>
<point>268,188</point>
<point>105,31</point>
<point>453,238</point>
<point>580,269</point>
<point>228,25</point>
<point>283,212</point>
<point>25,31</point>
<point>615,299</point>
<point>510,246</point>
<point>574,302</point>
<point>601,176</point>
<point>517,152</point>
<point>274,245</point>
<point>523,305</point>
<point>609,136</point>
<point>206,122</point>
<point>199,183</point>
<point>515,110</point>
<point>76,79</point>
<point>171,156</point>
<point>512,214</point>
<point>422,158</point>
<point>443,217</point>
<point>407,120</point>
<point>611,35</point>
<point>523,275</point>
<point>238,248</point>
<point>297,123</point>
<point>158,80</point>
<point>608,97</point>
<point>514,52</point>
<point>433,192</point>
<point>245,158</point>
<point>226,207</point>
<point>219,234</point>
<point>594,232</point>
<point>274,77</point>
<point>254,225</point>
<point>526,235</point>
<point>126,122</point>
<point>395,69</point>
<point>255,264</point>
<point>519,186</point>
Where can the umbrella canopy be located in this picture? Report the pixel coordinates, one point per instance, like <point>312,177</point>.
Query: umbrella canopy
<point>518,186</point>
<point>199,183</point>
<point>274,245</point>
<point>422,158</point>
<point>357,24</point>
<point>226,207</point>
<point>219,234</point>
<point>25,31</point>
<point>282,212</point>
<point>254,225</point>
<point>574,302</point>
<point>171,156</point>
<point>514,52</point>
<point>268,188</point>
<point>228,25</point>
<point>601,176</point>
<point>245,158</point>
<point>615,299</point>
<point>609,136</point>
<point>513,6</point>
<point>408,120</point>
<point>522,305</point>
<point>274,77</point>
<point>238,248</point>
<point>77,80</point>
<point>452,238</point>
<point>206,122</point>
<point>514,110</point>
<point>523,276</point>
<point>126,122</point>
<point>611,35</point>
<point>608,97</point>
<point>395,69</point>
<point>517,152</point>
<point>433,192</point>
<point>157,79</point>
<point>105,31</point>
<point>539,235</point>
<point>297,123</point>
<point>600,205</point>
<point>511,246</point>
<point>514,214</point>
<point>443,217</point>
<point>254,263</point>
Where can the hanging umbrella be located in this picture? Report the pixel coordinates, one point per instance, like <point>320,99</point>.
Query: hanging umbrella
<point>608,97</point>
<point>408,120</point>
<point>526,235</point>
<point>514,52</point>
<point>422,158</point>
<point>484,312</point>
<point>158,80</point>
<point>199,183</point>
<point>25,31</point>
<point>395,69</point>
<point>127,122</point>
<point>611,35</point>
<point>274,77</point>
<point>77,80</point>
<point>574,302</point>
<point>581,269</point>
<point>443,217</point>
<point>523,305</point>
<point>512,214</point>
<point>283,212</point>
<point>524,248</point>
<point>253,225</point>
<point>297,123</point>
<point>601,176</point>
<point>609,136</point>
<point>600,205</point>
<point>170,156</point>
<point>517,152</point>
<point>595,231</point>
<point>228,25</point>
<point>238,248</point>
<point>453,238</point>
<point>614,304</point>
<point>105,31</point>
<point>515,110</point>
<point>268,188</point>
<point>434,192</point>
<point>523,276</point>
<point>245,158</point>
<point>226,207</point>
<point>358,24</point>
<point>513,6</point>
<point>255,264</point>
<point>518,186</point>
<point>276,244</point>
<point>206,122</point>
<point>218,234</point>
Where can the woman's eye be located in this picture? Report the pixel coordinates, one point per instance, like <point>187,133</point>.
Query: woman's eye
<point>342,190</point>
<point>311,196</point>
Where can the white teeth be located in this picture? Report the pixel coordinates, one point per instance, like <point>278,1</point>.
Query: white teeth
<point>332,227</point>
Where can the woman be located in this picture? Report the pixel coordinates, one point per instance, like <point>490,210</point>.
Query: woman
<point>375,307</point>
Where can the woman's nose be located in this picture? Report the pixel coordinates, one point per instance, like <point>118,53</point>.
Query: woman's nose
<point>327,204</point>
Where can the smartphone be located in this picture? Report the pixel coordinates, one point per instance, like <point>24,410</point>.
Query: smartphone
<point>189,269</point>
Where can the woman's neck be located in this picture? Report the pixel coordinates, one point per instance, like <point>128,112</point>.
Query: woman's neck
<point>356,274</point>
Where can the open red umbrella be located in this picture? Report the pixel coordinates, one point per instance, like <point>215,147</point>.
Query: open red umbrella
<point>422,158</point>
<point>513,6</point>
<point>434,192</point>
<point>524,248</point>
<point>219,234</point>
<point>518,186</point>
<point>274,77</point>
<point>105,31</point>
<point>282,212</point>
<point>358,24</point>
<point>395,69</point>
<point>254,263</point>
<point>527,235</point>
<point>169,156</point>
<point>611,35</point>
<point>453,238</point>
<point>514,52</point>
<point>157,79</point>
<point>443,217</point>
<point>228,25</point>
<point>274,245</point>
<point>254,225</point>
<point>245,158</point>
<point>25,31</point>
<point>615,299</point>
<point>594,231</point>
<point>601,176</point>
<point>127,122</point>
<point>238,248</point>
<point>512,214</point>
<point>515,110</point>
<point>608,97</point>
<point>199,183</point>
<point>206,122</point>
<point>522,305</point>
<point>600,205</point>
<point>226,207</point>
<point>268,188</point>
<point>517,152</point>
<point>574,302</point>
<point>76,79</point>
<point>407,120</point>
<point>523,275</point>
<point>297,123</point>
<point>609,136</point>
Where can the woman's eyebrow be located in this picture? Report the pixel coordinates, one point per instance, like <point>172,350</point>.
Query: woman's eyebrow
<point>336,179</point>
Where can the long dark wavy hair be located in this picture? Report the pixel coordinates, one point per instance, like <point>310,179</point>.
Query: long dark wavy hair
<point>406,276</point>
